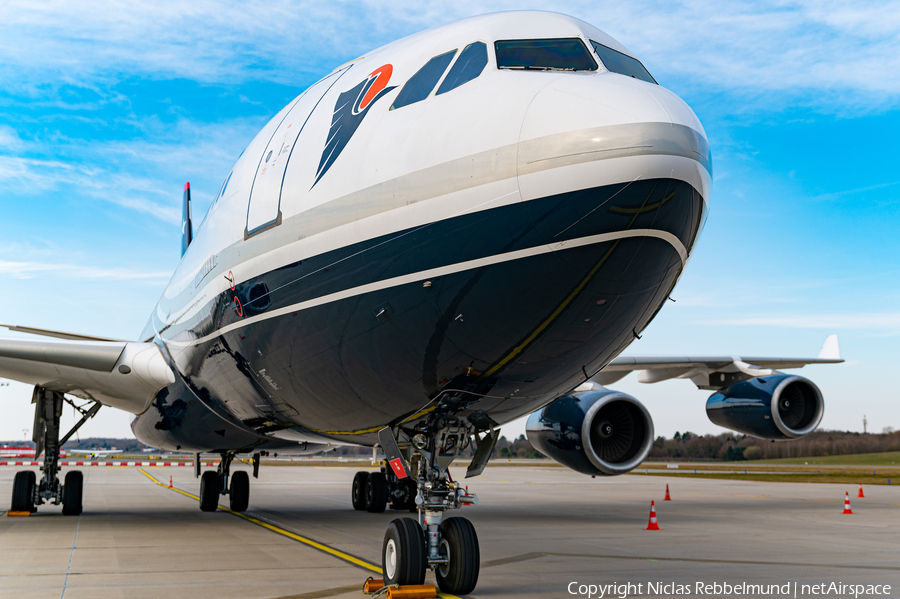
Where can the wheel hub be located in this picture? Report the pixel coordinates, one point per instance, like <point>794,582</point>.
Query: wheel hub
<point>390,558</point>
<point>444,568</point>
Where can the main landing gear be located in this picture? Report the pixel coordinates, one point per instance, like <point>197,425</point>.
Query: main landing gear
<point>215,483</point>
<point>448,546</point>
<point>376,491</point>
<point>28,493</point>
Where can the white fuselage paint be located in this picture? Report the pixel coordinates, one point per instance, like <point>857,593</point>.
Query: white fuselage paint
<point>532,134</point>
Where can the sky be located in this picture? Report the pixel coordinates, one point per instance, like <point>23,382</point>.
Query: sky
<point>108,107</point>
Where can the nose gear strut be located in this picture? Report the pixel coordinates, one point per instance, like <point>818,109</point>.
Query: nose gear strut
<point>448,546</point>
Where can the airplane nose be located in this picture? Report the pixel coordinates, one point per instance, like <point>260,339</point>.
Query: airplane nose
<point>605,126</point>
<point>609,155</point>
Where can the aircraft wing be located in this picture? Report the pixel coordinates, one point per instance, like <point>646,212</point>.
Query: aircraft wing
<point>57,334</point>
<point>710,372</point>
<point>121,374</point>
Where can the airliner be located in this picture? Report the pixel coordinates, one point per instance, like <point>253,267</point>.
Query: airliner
<point>456,230</point>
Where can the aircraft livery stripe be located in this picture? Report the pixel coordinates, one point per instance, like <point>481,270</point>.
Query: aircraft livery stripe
<point>442,271</point>
<point>268,525</point>
<point>484,168</point>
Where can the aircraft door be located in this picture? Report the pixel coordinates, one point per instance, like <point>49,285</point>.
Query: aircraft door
<point>264,209</point>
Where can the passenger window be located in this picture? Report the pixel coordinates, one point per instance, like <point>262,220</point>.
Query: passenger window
<point>616,62</point>
<point>468,66</point>
<point>569,54</point>
<point>420,85</point>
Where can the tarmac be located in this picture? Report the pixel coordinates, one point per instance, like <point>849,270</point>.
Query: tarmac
<point>540,529</point>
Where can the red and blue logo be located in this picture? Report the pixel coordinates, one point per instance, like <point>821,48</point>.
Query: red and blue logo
<point>349,111</point>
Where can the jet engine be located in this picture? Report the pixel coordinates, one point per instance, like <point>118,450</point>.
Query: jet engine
<point>781,406</point>
<point>599,431</point>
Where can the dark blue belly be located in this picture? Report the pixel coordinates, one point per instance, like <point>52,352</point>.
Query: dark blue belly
<point>514,334</point>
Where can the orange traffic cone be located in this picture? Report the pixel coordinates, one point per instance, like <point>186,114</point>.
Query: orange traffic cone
<point>170,482</point>
<point>652,524</point>
<point>668,498</point>
<point>847,509</point>
<point>860,491</point>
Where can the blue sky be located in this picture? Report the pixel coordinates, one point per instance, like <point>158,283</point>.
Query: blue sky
<point>106,109</point>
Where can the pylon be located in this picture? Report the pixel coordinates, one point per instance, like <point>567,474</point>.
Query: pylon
<point>652,524</point>
<point>668,498</point>
<point>170,482</point>
<point>860,491</point>
<point>847,509</point>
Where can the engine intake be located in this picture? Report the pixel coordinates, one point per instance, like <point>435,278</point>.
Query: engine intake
<point>781,406</point>
<point>597,432</point>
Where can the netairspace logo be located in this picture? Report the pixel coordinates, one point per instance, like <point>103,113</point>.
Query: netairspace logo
<point>724,589</point>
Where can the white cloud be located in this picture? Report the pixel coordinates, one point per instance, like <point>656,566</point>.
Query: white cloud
<point>27,270</point>
<point>136,173</point>
<point>837,56</point>
<point>9,138</point>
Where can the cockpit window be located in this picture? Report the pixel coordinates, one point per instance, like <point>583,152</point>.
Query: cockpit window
<point>622,64</point>
<point>568,54</point>
<point>420,85</point>
<point>468,66</point>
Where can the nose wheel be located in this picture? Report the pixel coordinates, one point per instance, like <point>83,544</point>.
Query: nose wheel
<point>459,545</point>
<point>403,556</point>
<point>449,547</point>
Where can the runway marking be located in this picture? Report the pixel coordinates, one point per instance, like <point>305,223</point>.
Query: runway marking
<point>529,556</point>
<point>273,527</point>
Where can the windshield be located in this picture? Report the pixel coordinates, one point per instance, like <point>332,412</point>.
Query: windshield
<point>544,55</point>
<point>616,62</point>
<point>468,66</point>
<point>420,85</point>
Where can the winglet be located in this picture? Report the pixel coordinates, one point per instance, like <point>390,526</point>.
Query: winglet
<point>830,350</point>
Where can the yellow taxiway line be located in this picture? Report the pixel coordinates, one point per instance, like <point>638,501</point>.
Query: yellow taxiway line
<point>358,562</point>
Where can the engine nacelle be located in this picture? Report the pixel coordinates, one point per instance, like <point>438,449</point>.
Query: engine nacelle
<point>781,406</point>
<point>598,432</point>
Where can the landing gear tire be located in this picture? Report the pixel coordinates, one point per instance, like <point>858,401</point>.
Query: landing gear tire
<point>376,492</point>
<point>358,494</point>
<point>73,491</point>
<point>23,492</point>
<point>240,491</point>
<point>459,543</point>
<point>403,555</point>
<point>209,491</point>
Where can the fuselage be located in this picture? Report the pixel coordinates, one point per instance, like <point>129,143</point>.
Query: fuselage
<point>379,245</point>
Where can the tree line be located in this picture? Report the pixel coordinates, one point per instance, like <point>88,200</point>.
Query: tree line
<point>683,446</point>
<point>734,447</point>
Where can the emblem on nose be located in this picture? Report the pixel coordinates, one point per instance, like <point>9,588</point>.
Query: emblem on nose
<point>349,111</point>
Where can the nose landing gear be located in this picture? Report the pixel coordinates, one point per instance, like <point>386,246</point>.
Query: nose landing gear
<point>448,546</point>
